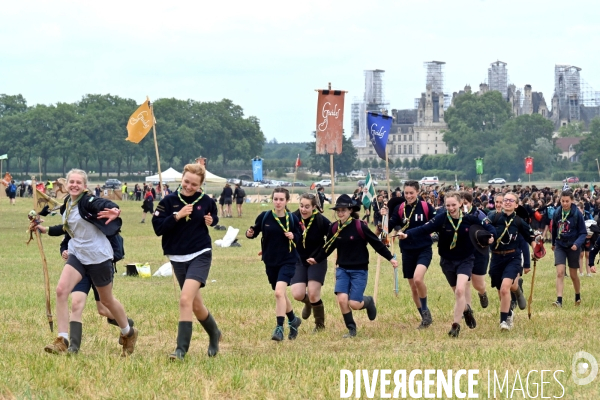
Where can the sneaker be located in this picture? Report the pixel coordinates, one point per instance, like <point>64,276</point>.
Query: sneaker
<point>483,300</point>
<point>293,325</point>
<point>581,274</point>
<point>128,342</point>
<point>351,333</point>
<point>58,346</point>
<point>142,222</point>
<point>278,334</point>
<point>504,326</point>
<point>577,303</point>
<point>521,300</point>
<point>469,318</point>
<point>426,321</point>
<point>589,275</point>
<point>557,304</point>
<point>455,330</point>
<point>511,320</point>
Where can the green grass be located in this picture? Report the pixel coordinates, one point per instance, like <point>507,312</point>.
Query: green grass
<point>250,365</point>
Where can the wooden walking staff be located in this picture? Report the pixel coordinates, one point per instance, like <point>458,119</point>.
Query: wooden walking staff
<point>531,292</point>
<point>34,221</point>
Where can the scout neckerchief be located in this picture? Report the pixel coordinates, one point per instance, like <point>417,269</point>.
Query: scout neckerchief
<point>336,234</point>
<point>455,227</point>
<point>561,225</point>
<point>68,209</point>
<point>315,212</point>
<point>405,227</point>
<point>285,228</point>
<point>507,223</point>
<point>185,203</point>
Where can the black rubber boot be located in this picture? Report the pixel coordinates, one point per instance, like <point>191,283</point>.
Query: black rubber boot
<point>319,312</point>
<point>75,331</point>
<point>214,335</point>
<point>369,305</point>
<point>184,337</point>
<point>306,311</point>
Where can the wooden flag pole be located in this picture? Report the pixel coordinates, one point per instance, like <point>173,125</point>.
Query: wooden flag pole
<point>295,174</point>
<point>40,168</point>
<point>156,146</point>
<point>387,172</point>
<point>332,179</point>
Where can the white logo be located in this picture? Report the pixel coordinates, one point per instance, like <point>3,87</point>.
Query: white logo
<point>140,117</point>
<point>379,133</point>
<point>580,369</point>
<point>325,113</point>
<point>257,169</point>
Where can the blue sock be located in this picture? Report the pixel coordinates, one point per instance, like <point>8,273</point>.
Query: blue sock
<point>420,311</point>
<point>424,303</point>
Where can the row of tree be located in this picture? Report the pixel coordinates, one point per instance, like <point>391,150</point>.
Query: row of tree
<point>91,133</point>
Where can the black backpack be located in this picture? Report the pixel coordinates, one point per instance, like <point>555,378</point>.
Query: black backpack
<point>118,246</point>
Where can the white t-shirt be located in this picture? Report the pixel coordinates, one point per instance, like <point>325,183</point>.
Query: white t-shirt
<point>89,244</point>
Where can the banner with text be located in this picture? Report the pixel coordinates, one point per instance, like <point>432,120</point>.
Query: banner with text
<point>257,169</point>
<point>379,126</point>
<point>330,121</point>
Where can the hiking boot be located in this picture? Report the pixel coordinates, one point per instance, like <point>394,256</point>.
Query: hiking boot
<point>214,335</point>
<point>75,329</point>
<point>58,346</point>
<point>455,330</point>
<point>483,300</point>
<point>307,310</point>
<point>504,326</point>
<point>426,321</point>
<point>115,323</point>
<point>469,318</point>
<point>293,325</point>
<point>521,301</point>
<point>319,312</point>
<point>278,333</point>
<point>351,333</point>
<point>511,319</point>
<point>177,355</point>
<point>557,304</point>
<point>369,305</point>
<point>128,341</point>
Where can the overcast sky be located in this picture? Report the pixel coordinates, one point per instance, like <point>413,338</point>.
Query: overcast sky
<point>269,56</point>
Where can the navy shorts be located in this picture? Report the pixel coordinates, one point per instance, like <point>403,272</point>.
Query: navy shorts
<point>283,273</point>
<point>412,258</point>
<point>480,265</point>
<point>564,254</point>
<point>196,269</point>
<point>315,272</point>
<point>352,282</point>
<point>85,285</point>
<point>451,268</point>
<point>100,274</point>
<point>505,266</point>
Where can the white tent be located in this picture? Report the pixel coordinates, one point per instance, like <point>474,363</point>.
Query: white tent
<point>169,175</point>
<point>212,178</point>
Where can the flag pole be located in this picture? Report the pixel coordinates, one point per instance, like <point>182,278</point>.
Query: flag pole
<point>295,174</point>
<point>387,173</point>
<point>156,145</point>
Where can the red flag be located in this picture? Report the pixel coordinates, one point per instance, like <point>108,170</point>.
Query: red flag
<point>298,162</point>
<point>529,165</point>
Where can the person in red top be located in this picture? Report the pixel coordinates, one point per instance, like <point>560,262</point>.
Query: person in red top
<point>148,204</point>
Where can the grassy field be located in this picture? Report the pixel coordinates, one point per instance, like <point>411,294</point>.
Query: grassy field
<point>250,365</point>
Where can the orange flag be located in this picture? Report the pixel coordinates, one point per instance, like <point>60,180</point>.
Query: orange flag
<point>330,118</point>
<point>139,123</point>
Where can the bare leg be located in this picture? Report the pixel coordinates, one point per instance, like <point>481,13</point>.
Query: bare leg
<point>115,307</point>
<point>560,279</point>
<point>68,279</point>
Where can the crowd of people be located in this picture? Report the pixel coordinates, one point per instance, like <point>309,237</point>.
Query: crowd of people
<point>479,232</point>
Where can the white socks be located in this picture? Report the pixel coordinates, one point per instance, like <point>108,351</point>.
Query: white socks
<point>125,331</point>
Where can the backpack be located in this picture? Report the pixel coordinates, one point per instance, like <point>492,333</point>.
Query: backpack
<point>359,228</point>
<point>550,210</point>
<point>12,189</point>
<point>116,242</point>
<point>424,205</point>
<point>241,193</point>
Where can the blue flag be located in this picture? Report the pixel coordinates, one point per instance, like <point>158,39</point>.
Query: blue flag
<point>379,127</point>
<point>257,169</point>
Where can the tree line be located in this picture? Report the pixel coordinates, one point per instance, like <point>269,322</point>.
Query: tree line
<point>91,133</point>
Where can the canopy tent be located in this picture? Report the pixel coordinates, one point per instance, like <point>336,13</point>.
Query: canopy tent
<point>212,178</point>
<point>171,175</point>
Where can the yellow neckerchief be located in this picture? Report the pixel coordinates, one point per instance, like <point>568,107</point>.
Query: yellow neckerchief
<point>285,228</point>
<point>507,224</point>
<point>561,225</point>
<point>405,227</point>
<point>335,235</point>
<point>185,203</point>
<point>315,212</point>
<point>68,208</point>
<point>455,227</point>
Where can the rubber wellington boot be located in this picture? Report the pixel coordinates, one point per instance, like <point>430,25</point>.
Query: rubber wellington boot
<point>184,337</point>
<point>75,330</point>
<point>214,335</point>
<point>319,312</point>
<point>306,311</point>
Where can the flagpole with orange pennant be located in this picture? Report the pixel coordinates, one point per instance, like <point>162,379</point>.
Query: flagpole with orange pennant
<point>298,163</point>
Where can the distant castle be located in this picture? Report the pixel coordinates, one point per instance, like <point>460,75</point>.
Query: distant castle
<point>419,131</point>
